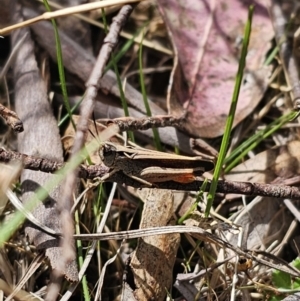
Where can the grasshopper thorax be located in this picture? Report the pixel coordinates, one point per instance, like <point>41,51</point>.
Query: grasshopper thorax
<point>108,153</point>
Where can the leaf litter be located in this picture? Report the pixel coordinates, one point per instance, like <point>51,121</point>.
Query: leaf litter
<point>209,77</point>
<point>207,36</point>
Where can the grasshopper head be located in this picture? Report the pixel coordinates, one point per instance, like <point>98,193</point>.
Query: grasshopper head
<point>108,153</point>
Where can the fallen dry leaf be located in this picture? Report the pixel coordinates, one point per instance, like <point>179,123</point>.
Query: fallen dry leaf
<point>208,38</point>
<point>262,222</point>
<point>153,260</point>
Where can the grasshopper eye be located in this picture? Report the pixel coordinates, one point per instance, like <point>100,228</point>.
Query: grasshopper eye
<point>108,154</point>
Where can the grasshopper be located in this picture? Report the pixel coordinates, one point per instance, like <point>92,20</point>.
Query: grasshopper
<point>148,166</point>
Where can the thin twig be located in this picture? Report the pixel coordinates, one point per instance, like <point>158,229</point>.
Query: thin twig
<point>30,162</point>
<point>246,188</point>
<point>141,124</point>
<point>12,119</point>
<point>65,12</point>
<point>86,110</point>
<point>198,233</point>
<point>50,166</point>
<point>94,171</point>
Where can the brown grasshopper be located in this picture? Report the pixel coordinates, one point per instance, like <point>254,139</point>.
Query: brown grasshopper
<point>148,166</point>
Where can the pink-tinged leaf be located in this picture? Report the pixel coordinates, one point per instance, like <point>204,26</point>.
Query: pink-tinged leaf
<point>208,35</point>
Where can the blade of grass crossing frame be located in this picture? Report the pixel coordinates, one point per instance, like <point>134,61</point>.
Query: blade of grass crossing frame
<point>145,98</point>
<point>60,66</point>
<point>8,228</point>
<point>75,107</point>
<point>230,118</point>
<point>242,150</point>
<point>122,95</point>
<point>84,282</point>
<point>195,204</point>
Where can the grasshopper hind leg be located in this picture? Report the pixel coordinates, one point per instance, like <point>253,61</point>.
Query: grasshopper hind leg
<point>142,181</point>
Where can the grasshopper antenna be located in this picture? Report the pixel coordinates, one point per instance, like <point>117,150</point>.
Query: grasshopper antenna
<point>96,129</point>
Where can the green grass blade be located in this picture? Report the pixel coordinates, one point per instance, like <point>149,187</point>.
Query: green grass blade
<point>145,98</point>
<point>230,118</point>
<point>194,205</point>
<point>66,117</point>
<point>122,94</point>
<point>8,229</point>
<point>60,66</point>
<point>238,154</point>
<point>272,56</point>
<point>124,49</point>
<point>84,281</point>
